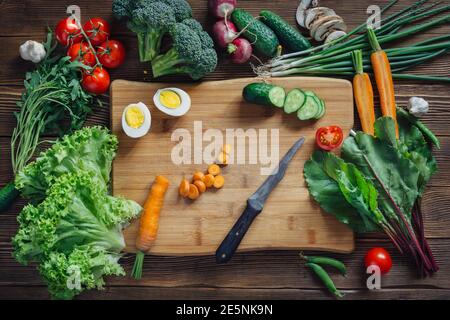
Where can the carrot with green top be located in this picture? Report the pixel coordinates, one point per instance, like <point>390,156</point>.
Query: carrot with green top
<point>363,92</point>
<point>149,223</point>
<point>383,76</point>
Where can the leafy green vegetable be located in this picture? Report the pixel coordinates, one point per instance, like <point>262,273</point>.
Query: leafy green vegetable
<point>89,149</point>
<point>376,185</point>
<point>327,192</point>
<point>394,176</point>
<point>53,101</point>
<point>75,233</point>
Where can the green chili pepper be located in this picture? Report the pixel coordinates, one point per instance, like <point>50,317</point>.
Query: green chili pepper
<point>327,262</point>
<point>323,275</point>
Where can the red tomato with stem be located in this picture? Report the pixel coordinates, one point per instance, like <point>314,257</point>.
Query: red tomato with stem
<point>97,30</point>
<point>68,32</point>
<point>329,138</point>
<point>96,81</point>
<point>111,54</point>
<point>82,52</point>
<point>379,257</point>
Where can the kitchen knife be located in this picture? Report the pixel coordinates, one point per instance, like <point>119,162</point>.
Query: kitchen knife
<point>254,206</point>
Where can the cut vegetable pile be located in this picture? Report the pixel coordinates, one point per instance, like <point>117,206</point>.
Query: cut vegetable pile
<point>305,103</point>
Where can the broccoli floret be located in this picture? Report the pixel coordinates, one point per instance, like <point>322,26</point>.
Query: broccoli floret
<point>151,20</point>
<point>190,54</point>
<point>207,42</point>
<point>123,8</point>
<point>181,8</point>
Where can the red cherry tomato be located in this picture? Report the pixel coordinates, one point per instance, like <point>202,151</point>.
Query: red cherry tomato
<point>111,54</point>
<point>96,81</point>
<point>68,32</point>
<point>98,30</point>
<point>379,257</point>
<point>329,138</point>
<point>80,51</point>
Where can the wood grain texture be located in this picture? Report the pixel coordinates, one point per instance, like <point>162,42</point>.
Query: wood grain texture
<point>262,275</point>
<point>290,219</point>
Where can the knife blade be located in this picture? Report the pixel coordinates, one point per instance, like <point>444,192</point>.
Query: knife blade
<point>255,205</point>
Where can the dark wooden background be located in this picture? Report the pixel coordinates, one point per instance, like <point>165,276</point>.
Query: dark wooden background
<point>265,275</point>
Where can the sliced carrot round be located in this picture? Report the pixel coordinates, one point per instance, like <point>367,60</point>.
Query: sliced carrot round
<point>214,169</point>
<point>209,180</point>
<point>198,176</point>
<point>219,181</point>
<point>193,192</point>
<point>184,188</point>
<point>201,186</point>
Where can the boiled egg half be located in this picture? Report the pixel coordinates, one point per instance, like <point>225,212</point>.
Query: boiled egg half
<point>136,120</point>
<point>172,101</point>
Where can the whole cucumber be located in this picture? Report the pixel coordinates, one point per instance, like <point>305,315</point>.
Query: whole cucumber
<point>263,38</point>
<point>290,37</point>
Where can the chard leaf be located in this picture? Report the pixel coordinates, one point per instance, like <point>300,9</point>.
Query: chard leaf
<point>321,173</point>
<point>394,176</point>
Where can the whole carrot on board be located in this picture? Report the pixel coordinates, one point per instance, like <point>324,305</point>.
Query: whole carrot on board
<point>383,76</point>
<point>363,92</point>
<point>149,222</point>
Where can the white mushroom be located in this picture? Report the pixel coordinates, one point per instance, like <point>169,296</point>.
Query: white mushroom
<point>418,106</point>
<point>334,35</point>
<point>315,13</point>
<point>301,10</point>
<point>32,51</point>
<point>325,25</point>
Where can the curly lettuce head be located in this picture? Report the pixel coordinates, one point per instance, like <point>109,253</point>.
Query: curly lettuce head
<point>76,229</point>
<point>89,149</point>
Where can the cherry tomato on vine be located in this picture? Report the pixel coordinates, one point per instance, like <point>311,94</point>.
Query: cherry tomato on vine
<point>97,30</point>
<point>111,54</point>
<point>329,138</point>
<point>379,257</point>
<point>96,81</point>
<point>68,32</point>
<point>80,51</point>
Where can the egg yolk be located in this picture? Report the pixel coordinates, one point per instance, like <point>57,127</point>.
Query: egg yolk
<point>170,99</point>
<point>134,117</point>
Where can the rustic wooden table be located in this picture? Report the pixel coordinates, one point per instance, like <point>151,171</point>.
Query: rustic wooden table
<point>259,275</point>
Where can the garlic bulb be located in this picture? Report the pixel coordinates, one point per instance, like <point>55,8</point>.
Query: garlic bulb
<point>32,51</point>
<point>418,106</point>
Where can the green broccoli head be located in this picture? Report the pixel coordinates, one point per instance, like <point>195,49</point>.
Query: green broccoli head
<point>190,54</point>
<point>150,20</point>
<point>181,8</point>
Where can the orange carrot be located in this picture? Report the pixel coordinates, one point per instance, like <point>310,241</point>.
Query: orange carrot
<point>219,181</point>
<point>193,192</point>
<point>184,188</point>
<point>209,180</point>
<point>149,222</point>
<point>214,169</point>
<point>363,92</point>
<point>201,186</point>
<point>383,77</point>
<point>198,176</point>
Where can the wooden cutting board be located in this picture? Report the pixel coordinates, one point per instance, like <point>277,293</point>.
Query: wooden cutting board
<point>290,220</point>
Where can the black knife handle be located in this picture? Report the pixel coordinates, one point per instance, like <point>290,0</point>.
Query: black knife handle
<point>231,242</point>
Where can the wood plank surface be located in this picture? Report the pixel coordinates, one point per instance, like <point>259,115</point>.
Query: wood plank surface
<point>261,275</point>
<point>290,219</point>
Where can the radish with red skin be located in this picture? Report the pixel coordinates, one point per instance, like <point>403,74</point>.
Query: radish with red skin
<point>224,33</point>
<point>240,50</point>
<point>221,8</point>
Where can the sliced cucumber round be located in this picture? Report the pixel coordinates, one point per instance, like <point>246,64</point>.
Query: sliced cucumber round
<point>294,101</point>
<point>322,110</point>
<point>309,109</point>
